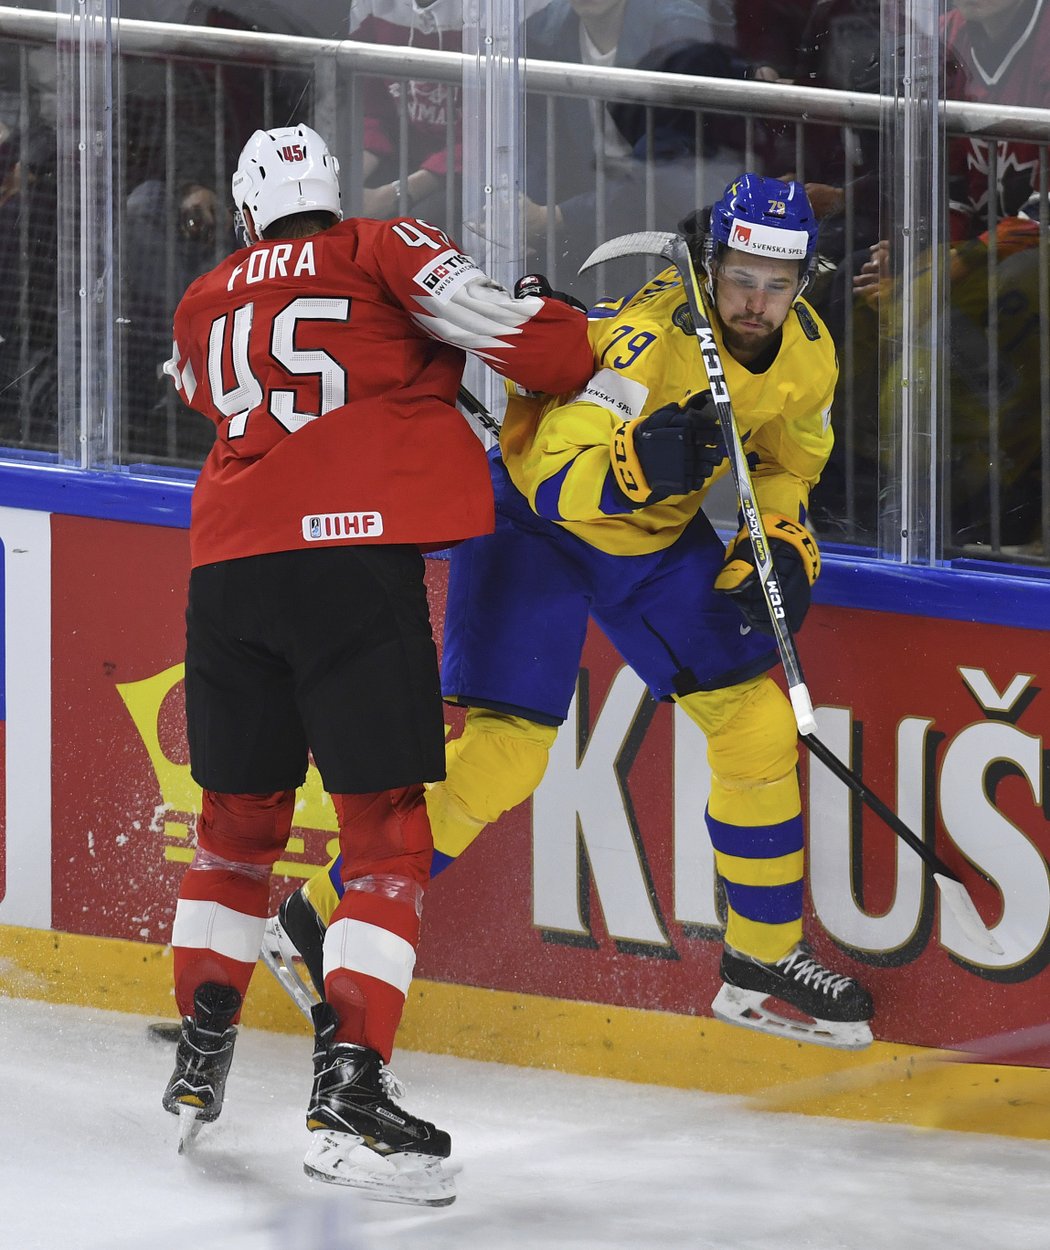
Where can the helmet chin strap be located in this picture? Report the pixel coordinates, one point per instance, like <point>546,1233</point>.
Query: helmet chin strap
<point>707,263</point>
<point>245,227</point>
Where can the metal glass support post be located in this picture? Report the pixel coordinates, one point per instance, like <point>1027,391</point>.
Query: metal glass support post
<point>914,317</point>
<point>86,52</point>
<point>493,154</point>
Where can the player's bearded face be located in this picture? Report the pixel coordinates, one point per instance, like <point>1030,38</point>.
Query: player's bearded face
<point>753,295</point>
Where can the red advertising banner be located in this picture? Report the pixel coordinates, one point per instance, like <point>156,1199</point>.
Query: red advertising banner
<point>3,724</point>
<point>124,805</point>
<point>602,889</point>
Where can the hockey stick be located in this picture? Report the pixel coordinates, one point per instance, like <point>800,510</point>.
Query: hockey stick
<point>673,248</point>
<point>477,409</point>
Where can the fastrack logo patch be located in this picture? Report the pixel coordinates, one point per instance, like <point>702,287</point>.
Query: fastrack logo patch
<point>332,526</point>
<point>445,274</point>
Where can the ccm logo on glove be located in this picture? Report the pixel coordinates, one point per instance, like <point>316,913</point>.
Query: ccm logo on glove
<point>796,559</point>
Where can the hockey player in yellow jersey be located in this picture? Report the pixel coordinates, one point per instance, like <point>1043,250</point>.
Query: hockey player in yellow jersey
<point>599,501</point>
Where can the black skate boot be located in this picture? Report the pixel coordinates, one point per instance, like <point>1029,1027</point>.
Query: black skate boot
<point>360,1136</point>
<point>295,936</point>
<point>838,1007</point>
<point>202,1059</point>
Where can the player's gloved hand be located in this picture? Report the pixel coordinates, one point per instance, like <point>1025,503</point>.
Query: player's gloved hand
<point>672,451</point>
<point>537,284</point>
<point>796,559</point>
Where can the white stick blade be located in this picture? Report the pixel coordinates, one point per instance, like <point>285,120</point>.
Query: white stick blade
<point>955,897</point>
<point>641,243</point>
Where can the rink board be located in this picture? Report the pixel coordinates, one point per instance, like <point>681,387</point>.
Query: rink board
<point>601,892</point>
<point>888,1083</point>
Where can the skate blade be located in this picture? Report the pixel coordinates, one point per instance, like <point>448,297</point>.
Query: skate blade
<point>344,1159</point>
<point>279,955</point>
<point>189,1127</point>
<point>747,1009</point>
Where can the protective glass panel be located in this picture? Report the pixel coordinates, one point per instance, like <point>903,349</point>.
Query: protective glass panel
<point>997,332</point>
<point>189,98</point>
<point>639,114</point>
<point>28,234</point>
<point>118,139</point>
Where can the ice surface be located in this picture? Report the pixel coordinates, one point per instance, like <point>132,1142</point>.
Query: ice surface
<point>88,1161</point>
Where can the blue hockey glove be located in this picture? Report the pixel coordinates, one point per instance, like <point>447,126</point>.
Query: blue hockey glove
<point>672,451</point>
<point>537,284</point>
<point>796,559</point>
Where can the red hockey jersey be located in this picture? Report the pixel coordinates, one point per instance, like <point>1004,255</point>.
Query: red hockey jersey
<point>1011,68</point>
<point>330,366</point>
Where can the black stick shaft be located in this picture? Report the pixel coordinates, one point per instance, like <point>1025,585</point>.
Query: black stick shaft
<point>849,778</point>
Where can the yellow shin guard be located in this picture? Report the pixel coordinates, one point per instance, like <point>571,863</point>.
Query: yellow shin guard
<point>494,765</point>
<point>754,812</point>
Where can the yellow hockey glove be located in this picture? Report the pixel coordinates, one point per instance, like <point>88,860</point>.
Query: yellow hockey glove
<point>796,559</point>
<point>672,451</point>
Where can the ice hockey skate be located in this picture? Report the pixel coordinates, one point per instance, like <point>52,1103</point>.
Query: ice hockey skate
<point>838,1008</point>
<point>202,1060</point>
<point>360,1137</point>
<point>293,941</point>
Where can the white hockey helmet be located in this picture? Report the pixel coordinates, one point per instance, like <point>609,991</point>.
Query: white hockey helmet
<point>284,171</point>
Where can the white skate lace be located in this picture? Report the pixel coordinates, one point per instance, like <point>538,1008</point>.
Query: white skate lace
<point>801,966</point>
<point>390,1084</point>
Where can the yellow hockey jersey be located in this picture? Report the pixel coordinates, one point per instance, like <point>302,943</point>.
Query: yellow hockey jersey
<point>646,355</point>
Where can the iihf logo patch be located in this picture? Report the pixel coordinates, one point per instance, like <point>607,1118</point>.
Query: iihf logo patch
<point>342,526</point>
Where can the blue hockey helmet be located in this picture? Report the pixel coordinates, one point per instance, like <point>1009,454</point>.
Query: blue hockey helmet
<point>765,217</point>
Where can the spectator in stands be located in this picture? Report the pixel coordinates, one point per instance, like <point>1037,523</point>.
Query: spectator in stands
<point>671,35</point>
<point>434,112</point>
<point>840,48</point>
<point>28,287</point>
<point>186,225</point>
<point>769,31</point>
<point>996,51</point>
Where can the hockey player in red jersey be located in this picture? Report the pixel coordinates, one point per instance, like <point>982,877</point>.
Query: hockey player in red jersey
<point>328,354</point>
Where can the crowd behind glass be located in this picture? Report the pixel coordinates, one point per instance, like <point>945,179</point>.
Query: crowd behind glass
<point>593,169</point>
